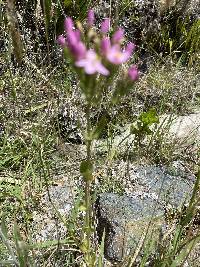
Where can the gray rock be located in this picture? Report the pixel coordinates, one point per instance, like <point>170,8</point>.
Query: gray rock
<point>187,127</point>
<point>126,218</point>
<point>159,184</point>
<point>57,202</point>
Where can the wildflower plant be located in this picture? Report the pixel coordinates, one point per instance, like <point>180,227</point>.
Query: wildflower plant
<point>96,56</point>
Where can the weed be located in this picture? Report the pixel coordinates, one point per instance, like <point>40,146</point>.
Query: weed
<point>33,153</point>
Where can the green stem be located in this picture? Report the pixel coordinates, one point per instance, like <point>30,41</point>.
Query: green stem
<point>88,183</point>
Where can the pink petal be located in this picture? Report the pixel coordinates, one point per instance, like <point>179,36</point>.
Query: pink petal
<point>127,53</point>
<point>91,63</point>
<point>114,55</point>
<point>80,50</point>
<point>120,57</point>
<point>133,73</point>
<point>118,36</point>
<point>61,40</point>
<point>91,55</point>
<point>105,45</point>
<point>77,49</point>
<point>101,69</point>
<point>130,48</point>
<point>105,25</point>
<point>77,34</point>
<point>90,18</point>
<point>89,68</point>
<point>125,57</point>
<point>81,63</point>
<point>72,37</point>
<point>68,24</point>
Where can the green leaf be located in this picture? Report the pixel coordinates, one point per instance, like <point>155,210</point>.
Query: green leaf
<point>99,128</point>
<point>120,91</point>
<point>83,6</point>
<point>145,120</point>
<point>149,117</point>
<point>10,249</point>
<point>21,247</point>
<point>86,169</point>
<point>47,5</point>
<point>4,228</point>
<point>84,246</point>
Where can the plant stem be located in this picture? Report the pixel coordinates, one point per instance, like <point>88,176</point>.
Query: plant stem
<point>88,182</point>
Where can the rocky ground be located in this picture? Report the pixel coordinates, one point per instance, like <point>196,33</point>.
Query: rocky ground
<point>147,191</point>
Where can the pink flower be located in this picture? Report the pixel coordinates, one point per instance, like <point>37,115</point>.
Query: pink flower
<point>118,36</point>
<point>68,24</point>
<point>72,41</point>
<point>105,45</point>
<point>90,18</point>
<point>92,64</point>
<point>133,73</point>
<point>73,37</point>
<point>76,47</point>
<point>78,34</point>
<point>78,50</point>
<point>116,56</point>
<point>105,25</point>
<point>61,41</point>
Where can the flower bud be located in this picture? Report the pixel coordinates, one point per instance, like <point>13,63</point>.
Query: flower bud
<point>72,38</point>
<point>118,36</point>
<point>61,40</point>
<point>68,24</point>
<point>105,25</point>
<point>130,48</point>
<point>90,18</point>
<point>78,50</point>
<point>133,73</point>
<point>105,45</point>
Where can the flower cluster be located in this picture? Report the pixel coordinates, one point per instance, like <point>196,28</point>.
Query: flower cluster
<point>101,58</point>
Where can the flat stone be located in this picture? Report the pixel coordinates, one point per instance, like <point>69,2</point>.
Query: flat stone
<point>161,184</point>
<point>126,218</point>
<point>46,223</point>
<point>187,127</point>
